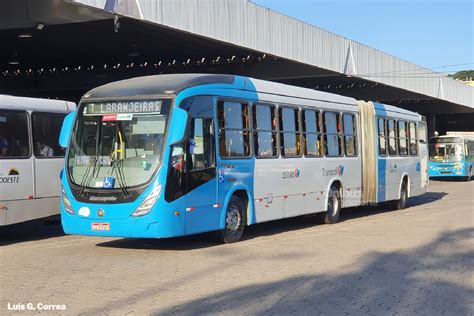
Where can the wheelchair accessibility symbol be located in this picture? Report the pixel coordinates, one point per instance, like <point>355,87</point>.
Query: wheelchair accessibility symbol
<point>221,176</point>
<point>108,183</point>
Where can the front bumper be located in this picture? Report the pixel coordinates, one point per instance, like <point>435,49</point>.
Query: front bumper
<point>435,172</point>
<point>163,226</point>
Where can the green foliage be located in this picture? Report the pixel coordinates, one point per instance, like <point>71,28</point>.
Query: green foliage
<point>464,74</point>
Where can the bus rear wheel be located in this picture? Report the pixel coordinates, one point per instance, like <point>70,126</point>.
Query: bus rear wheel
<point>333,206</point>
<point>234,221</point>
<point>401,203</point>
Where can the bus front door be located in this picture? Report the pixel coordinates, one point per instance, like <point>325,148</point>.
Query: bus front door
<point>201,197</point>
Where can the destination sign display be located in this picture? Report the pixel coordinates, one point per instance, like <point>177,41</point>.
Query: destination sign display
<point>117,107</point>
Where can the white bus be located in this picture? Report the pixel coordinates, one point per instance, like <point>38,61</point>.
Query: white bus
<point>30,158</point>
<point>174,155</point>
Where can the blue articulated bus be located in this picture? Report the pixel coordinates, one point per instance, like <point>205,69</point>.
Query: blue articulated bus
<point>174,155</point>
<point>451,155</point>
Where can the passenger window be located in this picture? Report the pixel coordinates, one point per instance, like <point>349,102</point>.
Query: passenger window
<point>265,131</point>
<point>332,136</point>
<point>402,138</point>
<point>413,137</point>
<point>14,141</point>
<point>46,130</point>
<point>312,134</point>
<point>422,133</point>
<point>382,137</point>
<point>234,129</point>
<point>350,134</point>
<point>392,138</point>
<point>290,132</point>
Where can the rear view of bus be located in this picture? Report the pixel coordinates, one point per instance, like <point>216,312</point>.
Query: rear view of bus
<point>451,156</point>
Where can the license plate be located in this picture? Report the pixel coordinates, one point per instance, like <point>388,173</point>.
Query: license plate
<point>100,226</point>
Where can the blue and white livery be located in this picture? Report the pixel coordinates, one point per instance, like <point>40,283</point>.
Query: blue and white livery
<point>452,156</point>
<point>174,155</point>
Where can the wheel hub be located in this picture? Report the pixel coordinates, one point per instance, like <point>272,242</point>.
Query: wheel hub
<point>233,219</point>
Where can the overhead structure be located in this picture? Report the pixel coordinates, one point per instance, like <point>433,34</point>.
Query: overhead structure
<point>61,48</point>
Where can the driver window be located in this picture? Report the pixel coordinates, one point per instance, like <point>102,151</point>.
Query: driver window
<point>176,181</point>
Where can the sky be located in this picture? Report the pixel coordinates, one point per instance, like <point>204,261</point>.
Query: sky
<point>435,34</point>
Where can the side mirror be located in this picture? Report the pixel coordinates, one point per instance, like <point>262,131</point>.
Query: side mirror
<point>179,125</point>
<point>66,129</point>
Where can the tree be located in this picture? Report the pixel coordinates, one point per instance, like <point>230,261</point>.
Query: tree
<point>464,75</point>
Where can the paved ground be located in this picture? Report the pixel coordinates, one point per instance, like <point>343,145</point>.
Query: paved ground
<point>376,262</point>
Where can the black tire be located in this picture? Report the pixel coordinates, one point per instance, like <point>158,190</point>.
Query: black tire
<point>333,206</point>
<point>401,203</point>
<point>234,221</point>
<point>469,177</point>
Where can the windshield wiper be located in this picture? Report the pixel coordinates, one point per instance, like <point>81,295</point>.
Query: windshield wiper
<point>85,178</point>
<point>118,167</point>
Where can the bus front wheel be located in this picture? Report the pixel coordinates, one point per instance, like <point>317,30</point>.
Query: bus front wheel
<point>234,221</point>
<point>333,207</point>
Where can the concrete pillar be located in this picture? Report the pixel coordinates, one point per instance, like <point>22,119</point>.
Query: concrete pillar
<point>431,121</point>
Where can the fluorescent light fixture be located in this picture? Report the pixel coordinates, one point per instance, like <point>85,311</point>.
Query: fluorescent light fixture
<point>25,35</point>
<point>40,26</point>
<point>14,62</point>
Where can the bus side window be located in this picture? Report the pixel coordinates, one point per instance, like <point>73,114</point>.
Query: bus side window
<point>413,137</point>
<point>470,145</point>
<point>332,137</point>
<point>312,134</point>
<point>402,138</point>
<point>46,128</point>
<point>265,131</point>
<point>382,137</point>
<point>350,134</point>
<point>234,129</point>
<point>290,132</point>
<point>422,133</point>
<point>14,140</point>
<point>392,138</point>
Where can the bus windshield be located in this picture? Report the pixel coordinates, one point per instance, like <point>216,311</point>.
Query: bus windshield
<point>446,149</point>
<point>117,144</point>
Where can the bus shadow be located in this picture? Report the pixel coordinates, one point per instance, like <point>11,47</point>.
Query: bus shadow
<point>210,239</point>
<point>32,230</point>
<point>277,227</point>
<point>192,242</point>
<point>363,211</point>
<point>450,179</point>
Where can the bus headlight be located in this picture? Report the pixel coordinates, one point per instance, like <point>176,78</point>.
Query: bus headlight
<point>148,203</point>
<point>458,166</point>
<point>66,202</point>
